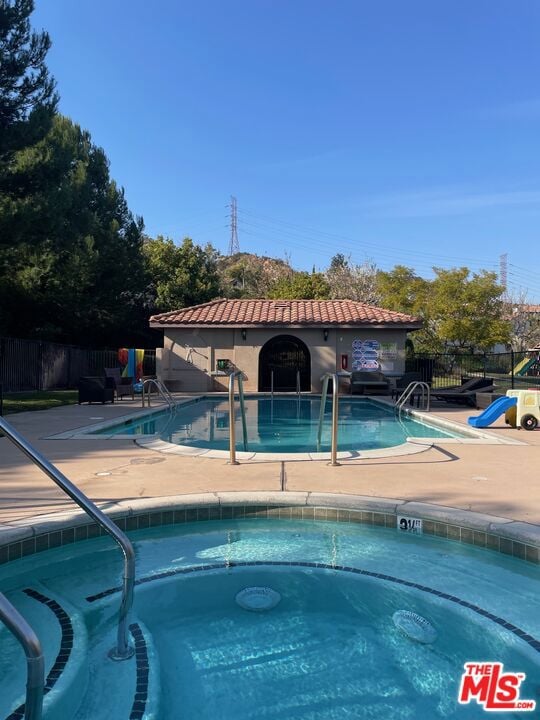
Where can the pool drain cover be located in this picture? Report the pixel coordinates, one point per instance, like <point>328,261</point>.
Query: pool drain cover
<point>258,598</point>
<point>415,626</point>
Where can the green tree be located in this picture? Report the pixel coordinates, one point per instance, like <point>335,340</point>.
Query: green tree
<point>403,290</point>
<point>74,271</point>
<point>180,275</point>
<point>460,312</point>
<point>301,286</point>
<point>27,96</point>
<point>467,313</point>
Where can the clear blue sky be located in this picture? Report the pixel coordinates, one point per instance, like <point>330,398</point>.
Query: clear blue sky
<point>398,132</point>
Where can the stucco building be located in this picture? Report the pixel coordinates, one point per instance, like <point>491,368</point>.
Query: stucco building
<point>280,337</point>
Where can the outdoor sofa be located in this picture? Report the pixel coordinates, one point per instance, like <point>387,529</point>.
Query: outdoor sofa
<point>96,389</point>
<point>364,383</point>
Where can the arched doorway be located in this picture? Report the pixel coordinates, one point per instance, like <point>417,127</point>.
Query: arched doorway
<point>284,354</point>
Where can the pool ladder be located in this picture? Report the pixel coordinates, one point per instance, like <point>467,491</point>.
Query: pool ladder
<point>298,384</point>
<point>18,625</point>
<point>162,390</point>
<point>35,663</point>
<point>409,392</point>
<point>335,414</point>
<point>232,428</point>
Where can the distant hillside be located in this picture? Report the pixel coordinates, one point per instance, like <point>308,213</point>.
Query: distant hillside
<point>245,275</point>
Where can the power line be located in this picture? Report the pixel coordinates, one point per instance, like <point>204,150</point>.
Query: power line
<point>349,242</point>
<point>309,242</point>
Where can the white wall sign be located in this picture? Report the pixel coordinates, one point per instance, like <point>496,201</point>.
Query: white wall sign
<point>388,351</point>
<point>409,524</point>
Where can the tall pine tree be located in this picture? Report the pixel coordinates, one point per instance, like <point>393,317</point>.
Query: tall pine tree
<point>27,96</point>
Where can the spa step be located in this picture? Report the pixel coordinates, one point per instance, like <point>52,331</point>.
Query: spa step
<point>124,690</point>
<point>62,633</point>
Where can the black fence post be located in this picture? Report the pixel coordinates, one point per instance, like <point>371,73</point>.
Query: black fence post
<point>512,365</point>
<point>39,369</point>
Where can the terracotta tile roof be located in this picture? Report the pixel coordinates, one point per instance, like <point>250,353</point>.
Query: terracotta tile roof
<point>533,309</point>
<point>249,313</point>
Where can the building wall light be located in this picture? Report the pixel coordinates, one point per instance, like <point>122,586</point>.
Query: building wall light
<point>325,333</point>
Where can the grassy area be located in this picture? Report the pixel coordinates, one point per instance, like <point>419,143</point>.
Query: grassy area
<point>23,401</point>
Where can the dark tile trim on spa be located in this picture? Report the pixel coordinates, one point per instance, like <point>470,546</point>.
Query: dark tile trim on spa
<point>141,659</point>
<point>157,518</point>
<point>66,646</point>
<point>521,634</point>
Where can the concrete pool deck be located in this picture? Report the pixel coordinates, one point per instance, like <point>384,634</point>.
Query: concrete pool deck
<point>494,479</point>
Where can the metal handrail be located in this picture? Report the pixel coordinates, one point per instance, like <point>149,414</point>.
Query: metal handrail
<point>35,663</point>
<point>335,414</point>
<point>409,390</point>
<point>232,428</point>
<point>162,390</point>
<point>298,384</point>
<point>122,651</point>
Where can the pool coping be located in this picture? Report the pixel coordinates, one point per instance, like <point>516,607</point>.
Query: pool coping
<point>510,537</point>
<point>412,446</point>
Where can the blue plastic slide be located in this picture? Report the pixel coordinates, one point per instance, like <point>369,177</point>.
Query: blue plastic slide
<point>492,412</point>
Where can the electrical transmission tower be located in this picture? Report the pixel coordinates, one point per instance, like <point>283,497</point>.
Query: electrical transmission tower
<point>503,272</point>
<point>234,245</point>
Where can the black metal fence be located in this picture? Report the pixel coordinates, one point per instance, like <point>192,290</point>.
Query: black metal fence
<point>508,370</point>
<point>36,365</point>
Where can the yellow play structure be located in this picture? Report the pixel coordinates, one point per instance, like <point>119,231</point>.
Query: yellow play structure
<point>526,412</point>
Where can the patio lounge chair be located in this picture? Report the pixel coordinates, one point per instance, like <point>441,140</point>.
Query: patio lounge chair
<point>122,385</point>
<point>364,382</point>
<point>464,394</point>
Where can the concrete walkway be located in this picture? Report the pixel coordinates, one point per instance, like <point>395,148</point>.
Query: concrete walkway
<point>502,480</point>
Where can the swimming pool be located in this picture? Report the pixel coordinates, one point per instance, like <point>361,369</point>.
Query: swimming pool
<point>329,649</point>
<point>281,424</point>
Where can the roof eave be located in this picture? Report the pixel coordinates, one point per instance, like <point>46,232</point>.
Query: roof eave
<point>297,326</point>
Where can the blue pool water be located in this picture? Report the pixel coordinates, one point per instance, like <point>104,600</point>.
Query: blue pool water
<point>281,425</point>
<point>328,651</point>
